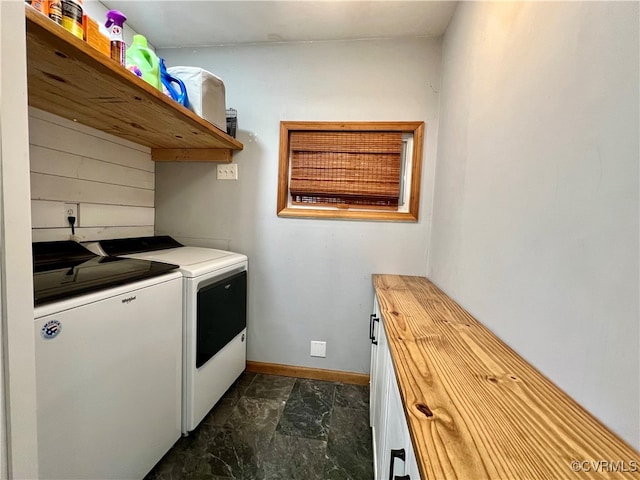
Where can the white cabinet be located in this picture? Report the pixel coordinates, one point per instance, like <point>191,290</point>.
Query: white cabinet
<point>393,453</point>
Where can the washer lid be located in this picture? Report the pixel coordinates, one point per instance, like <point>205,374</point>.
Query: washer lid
<point>125,246</point>
<point>184,256</point>
<point>65,269</point>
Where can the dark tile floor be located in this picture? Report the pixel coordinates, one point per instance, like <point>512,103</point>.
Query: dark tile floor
<point>268,427</point>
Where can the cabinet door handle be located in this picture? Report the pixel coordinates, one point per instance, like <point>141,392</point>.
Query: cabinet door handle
<point>395,454</point>
<point>373,337</point>
<point>371,317</point>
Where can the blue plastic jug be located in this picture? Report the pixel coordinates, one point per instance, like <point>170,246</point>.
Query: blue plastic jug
<point>168,80</point>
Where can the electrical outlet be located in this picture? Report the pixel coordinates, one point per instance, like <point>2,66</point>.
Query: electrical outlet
<point>71,210</point>
<point>318,349</point>
<point>227,171</point>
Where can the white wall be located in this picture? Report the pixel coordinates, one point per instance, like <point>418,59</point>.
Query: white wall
<point>110,179</point>
<point>309,279</point>
<point>535,224</point>
<point>16,329</point>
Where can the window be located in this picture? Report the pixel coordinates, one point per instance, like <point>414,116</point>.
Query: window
<point>350,170</point>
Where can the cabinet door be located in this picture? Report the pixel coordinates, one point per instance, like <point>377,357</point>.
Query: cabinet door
<point>379,413</point>
<point>374,333</point>
<point>411,466</point>
<point>396,441</point>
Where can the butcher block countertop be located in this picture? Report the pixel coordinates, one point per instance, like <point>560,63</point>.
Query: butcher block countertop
<point>477,410</point>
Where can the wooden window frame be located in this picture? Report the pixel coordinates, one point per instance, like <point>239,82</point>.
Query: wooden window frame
<point>286,210</point>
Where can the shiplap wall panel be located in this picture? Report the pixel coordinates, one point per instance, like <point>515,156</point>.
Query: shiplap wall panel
<point>93,215</point>
<point>47,214</point>
<point>49,187</point>
<point>78,127</point>
<point>46,134</point>
<point>36,115</point>
<point>112,180</point>
<point>63,164</point>
<point>95,233</point>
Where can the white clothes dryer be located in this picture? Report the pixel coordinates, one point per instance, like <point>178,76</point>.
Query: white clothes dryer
<point>214,316</point>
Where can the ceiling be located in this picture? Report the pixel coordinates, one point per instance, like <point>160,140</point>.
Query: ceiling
<point>181,23</point>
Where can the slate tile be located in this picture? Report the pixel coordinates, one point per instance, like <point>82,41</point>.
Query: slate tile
<point>182,462</point>
<point>230,454</point>
<point>254,421</point>
<point>292,458</point>
<point>308,409</point>
<point>270,386</point>
<point>352,396</point>
<point>240,386</point>
<point>349,448</point>
<point>270,427</point>
<point>220,413</point>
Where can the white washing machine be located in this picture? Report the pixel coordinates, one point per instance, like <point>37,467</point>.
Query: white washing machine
<point>108,345</point>
<point>214,316</point>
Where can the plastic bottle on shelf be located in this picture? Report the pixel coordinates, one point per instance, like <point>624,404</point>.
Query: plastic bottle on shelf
<point>115,24</point>
<point>169,89</point>
<point>72,17</point>
<point>39,5</point>
<point>141,56</point>
<point>55,11</point>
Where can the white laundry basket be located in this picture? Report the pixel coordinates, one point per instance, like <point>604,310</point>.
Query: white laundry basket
<point>206,94</point>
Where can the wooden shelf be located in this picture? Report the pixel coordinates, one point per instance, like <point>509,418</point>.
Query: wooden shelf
<point>68,77</point>
<point>474,407</point>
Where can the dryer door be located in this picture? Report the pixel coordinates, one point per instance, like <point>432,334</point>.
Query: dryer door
<point>221,315</point>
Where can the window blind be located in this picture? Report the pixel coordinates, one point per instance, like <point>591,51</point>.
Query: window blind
<point>346,168</point>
